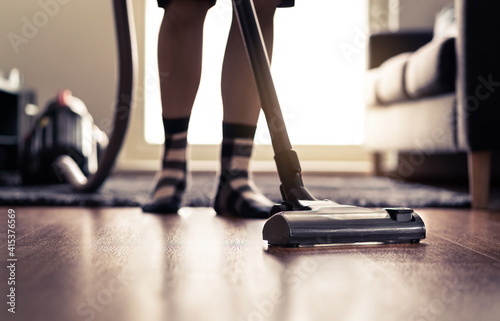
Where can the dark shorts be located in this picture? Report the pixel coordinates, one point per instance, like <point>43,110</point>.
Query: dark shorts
<point>284,3</point>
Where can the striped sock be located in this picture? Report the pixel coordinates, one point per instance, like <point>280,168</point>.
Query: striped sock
<point>237,195</point>
<point>171,180</point>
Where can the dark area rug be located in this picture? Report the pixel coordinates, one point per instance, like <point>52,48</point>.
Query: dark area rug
<point>122,190</point>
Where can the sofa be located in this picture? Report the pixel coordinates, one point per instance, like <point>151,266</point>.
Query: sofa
<point>438,91</point>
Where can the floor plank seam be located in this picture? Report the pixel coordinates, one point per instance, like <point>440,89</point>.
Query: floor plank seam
<point>468,248</point>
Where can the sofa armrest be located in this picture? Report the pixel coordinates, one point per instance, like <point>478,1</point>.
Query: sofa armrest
<point>478,81</point>
<point>382,46</point>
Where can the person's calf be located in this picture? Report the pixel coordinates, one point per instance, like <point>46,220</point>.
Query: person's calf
<point>265,10</point>
<point>186,13</point>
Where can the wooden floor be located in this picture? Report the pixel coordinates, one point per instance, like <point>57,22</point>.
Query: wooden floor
<point>121,264</point>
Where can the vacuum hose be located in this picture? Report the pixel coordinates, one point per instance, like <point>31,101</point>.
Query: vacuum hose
<point>127,57</point>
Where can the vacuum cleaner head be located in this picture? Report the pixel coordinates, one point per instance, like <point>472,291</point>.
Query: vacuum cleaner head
<point>301,219</point>
<point>326,222</point>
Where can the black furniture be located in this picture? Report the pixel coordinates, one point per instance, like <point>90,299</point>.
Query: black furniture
<point>429,93</point>
<point>16,105</point>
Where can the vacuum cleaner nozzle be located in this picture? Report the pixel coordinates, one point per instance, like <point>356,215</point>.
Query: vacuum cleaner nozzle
<point>330,223</point>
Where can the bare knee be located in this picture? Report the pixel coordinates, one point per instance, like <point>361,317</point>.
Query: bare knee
<point>185,13</point>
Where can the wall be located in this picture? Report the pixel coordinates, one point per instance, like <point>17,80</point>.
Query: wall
<point>419,14</point>
<point>396,15</point>
<point>60,44</point>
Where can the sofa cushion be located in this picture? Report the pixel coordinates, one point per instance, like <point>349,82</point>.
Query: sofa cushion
<point>370,87</point>
<point>431,69</point>
<point>390,86</point>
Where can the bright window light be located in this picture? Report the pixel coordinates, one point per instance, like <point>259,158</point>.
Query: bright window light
<point>318,67</point>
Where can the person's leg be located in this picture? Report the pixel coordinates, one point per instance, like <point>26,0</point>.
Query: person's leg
<point>236,194</point>
<point>180,43</point>
<point>179,63</point>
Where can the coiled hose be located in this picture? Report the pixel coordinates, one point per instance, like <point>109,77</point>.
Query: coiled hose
<point>127,66</point>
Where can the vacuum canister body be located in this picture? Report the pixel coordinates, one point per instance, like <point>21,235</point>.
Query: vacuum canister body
<point>64,128</point>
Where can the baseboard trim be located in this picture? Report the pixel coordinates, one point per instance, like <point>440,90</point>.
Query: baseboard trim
<point>344,167</point>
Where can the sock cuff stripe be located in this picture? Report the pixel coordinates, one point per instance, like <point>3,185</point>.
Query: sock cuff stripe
<point>174,164</point>
<point>238,130</point>
<point>169,193</point>
<point>230,153</point>
<point>175,155</point>
<point>236,163</point>
<point>168,181</point>
<point>175,125</point>
<point>228,176</point>
<point>231,149</point>
<point>177,144</point>
<point>172,173</point>
<point>177,136</point>
<point>238,140</point>
<point>243,142</point>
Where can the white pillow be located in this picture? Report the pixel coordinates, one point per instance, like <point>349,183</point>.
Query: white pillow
<point>445,25</point>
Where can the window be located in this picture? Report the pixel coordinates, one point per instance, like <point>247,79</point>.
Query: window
<point>318,67</point>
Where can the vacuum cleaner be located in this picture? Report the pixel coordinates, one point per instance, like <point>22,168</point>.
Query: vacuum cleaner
<point>301,219</point>
<point>64,143</point>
